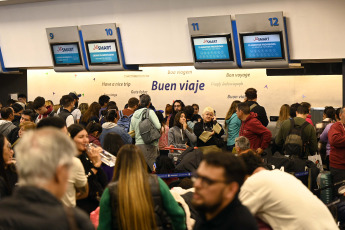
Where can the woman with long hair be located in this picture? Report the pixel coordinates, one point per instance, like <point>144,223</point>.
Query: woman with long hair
<point>91,114</point>
<point>83,107</point>
<point>135,200</point>
<point>284,114</point>
<point>8,175</point>
<point>91,160</point>
<point>232,125</point>
<point>180,135</point>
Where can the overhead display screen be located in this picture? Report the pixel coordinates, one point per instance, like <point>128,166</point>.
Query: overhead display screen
<point>262,46</point>
<point>212,48</point>
<point>102,52</point>
<point>66,54</point>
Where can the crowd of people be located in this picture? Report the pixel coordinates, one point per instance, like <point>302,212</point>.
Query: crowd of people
<point>54,172</point>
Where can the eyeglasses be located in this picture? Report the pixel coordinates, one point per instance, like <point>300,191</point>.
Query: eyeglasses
<point>205,181</point>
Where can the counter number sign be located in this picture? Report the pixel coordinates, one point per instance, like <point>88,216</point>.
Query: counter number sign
<point>195,26</point>
<point>273,21</point>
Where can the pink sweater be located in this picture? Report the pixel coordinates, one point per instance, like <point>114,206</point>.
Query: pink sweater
<point>163,140</point>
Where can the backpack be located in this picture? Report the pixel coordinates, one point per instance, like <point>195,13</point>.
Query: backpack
<point>294,143</point>
<point>148,131</point>
<point>124,121</point>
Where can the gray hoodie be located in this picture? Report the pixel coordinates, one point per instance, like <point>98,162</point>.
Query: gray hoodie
<point>6,127</point>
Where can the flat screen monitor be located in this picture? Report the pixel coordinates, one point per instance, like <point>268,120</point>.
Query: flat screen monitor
<point>212,48</point>
<point>262,46</point>
<point>102,52</point>
<point>66,54</point>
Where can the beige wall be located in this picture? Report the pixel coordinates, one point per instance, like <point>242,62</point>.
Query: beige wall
<point>221,87</point>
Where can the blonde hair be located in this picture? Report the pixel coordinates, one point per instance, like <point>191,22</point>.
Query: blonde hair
<point>135,209</point>
<point>208,109</point>
<point>56,107</point>
<point>284,112</point>
<point>27,125</point>
<point>49,103</point>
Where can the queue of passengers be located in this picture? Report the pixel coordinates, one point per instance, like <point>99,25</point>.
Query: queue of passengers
<point>48,167</point>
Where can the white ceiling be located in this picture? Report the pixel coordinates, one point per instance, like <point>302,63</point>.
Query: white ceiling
<point>12,2</point>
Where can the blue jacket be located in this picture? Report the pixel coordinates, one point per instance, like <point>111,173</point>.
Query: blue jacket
<point>234,125</point>
<point>110,127</point>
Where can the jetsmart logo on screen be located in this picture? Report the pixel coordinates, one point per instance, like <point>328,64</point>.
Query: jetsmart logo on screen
<point>261,39</point>
<point>97,47</point>
<point>210,41</point>
<point>62,49</point>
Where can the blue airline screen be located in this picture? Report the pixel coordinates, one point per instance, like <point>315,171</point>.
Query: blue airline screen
<point>66,54</point>
<point>212,48</point>
<point>103,52</point>
<point>262,46</point>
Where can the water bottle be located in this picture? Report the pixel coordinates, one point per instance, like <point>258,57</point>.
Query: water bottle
<point>323,180</point>
<point>106,157</point>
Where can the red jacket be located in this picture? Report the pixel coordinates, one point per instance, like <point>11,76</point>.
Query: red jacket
<point>259,136</point>
<point>336,138</point>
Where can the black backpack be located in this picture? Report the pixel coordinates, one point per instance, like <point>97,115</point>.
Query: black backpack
<point>294,143</point>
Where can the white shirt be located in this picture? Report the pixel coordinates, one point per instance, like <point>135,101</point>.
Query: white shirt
<point>282,201</point>
<point>77,179</point>
<point>69,120</point>
<point>76,115</point>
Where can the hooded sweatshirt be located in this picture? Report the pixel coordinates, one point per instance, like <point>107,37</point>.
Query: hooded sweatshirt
<point>136,118</point>
<point>6,127</point>
<point>234,124</point>
<point>259,136</point>
<point>336,138</point>
<point>111,127</point>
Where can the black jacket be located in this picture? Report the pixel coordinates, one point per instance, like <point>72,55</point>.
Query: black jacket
<point>13,135</point>
<point>32,208</point>
<point>16,120</point>
<point>64,113</point>
<point>216,139</point>
<point>189,160</point>
<point>260,111</point>
<point>97,183</point>
<point>234,216</point>
<point>8,181</point>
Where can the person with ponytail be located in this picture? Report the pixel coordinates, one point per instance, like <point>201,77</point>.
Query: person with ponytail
<point>136,200</point>
<point>8,175</point>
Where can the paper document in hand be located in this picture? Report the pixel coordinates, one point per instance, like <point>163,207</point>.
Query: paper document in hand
<point>205,136</point>
<point>217,128</point>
